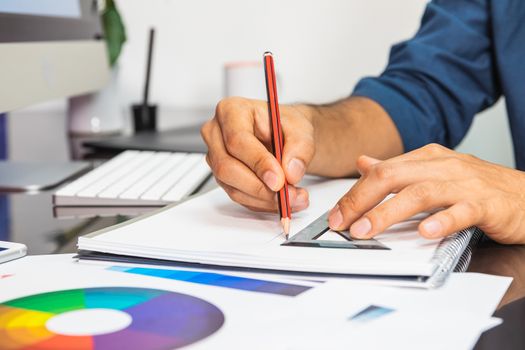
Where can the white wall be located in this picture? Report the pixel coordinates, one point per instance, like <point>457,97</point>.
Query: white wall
<point>322,48</point>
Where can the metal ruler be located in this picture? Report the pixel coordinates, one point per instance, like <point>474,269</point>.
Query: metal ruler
<point>308,237</point>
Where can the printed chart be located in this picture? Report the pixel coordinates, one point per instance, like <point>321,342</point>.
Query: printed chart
<point>219,280</point>
<point>107,318</point>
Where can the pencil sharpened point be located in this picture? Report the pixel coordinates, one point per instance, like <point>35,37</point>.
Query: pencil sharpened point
<point>286,226</point>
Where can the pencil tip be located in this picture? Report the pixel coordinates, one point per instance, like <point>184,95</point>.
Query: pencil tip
<point>286,226</point>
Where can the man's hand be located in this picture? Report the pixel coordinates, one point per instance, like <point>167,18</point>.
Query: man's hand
<point>472,192</point>
<point>239,152</point>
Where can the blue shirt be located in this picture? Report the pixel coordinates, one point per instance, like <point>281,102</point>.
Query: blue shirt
<point>464,57</point>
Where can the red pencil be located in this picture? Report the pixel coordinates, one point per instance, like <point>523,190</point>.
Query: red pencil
<point>277,138</point>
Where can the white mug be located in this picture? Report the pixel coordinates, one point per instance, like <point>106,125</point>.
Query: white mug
<point>245,79</point>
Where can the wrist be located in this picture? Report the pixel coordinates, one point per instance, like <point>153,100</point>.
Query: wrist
<point>304,110</point>
<point>312,113</point>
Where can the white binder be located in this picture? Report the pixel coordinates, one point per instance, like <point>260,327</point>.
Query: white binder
<point>213,231</point>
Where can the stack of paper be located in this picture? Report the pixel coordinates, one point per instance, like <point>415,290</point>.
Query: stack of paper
<point>211,229</point>
<point>52,301</point>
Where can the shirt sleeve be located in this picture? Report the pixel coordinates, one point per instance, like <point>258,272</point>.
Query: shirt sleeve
<point>437,81</point>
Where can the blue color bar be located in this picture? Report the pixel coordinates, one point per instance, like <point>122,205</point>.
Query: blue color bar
<point>219,280</point>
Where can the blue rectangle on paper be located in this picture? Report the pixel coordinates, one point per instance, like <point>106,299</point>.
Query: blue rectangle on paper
<point>370,313</point>
<point>220,280</point>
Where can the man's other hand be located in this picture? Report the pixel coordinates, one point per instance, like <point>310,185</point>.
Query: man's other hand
<point>472,192</point>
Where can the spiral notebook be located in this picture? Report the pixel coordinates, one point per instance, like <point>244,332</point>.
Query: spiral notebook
<point>211,230</point>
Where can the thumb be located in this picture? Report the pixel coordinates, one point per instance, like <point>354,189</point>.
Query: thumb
<point>297,154</point>
<point>364,163</point>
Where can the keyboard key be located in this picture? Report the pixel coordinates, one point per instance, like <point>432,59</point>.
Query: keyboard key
<point>154,177</point>
<point>137,178</point>
<point>133,177</point>
<point>165,184</point>
<point>101,184</point>
<point>96,174</point>
<point>188,183</point>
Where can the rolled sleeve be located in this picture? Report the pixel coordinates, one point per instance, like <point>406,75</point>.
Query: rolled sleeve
<point>437,81</point>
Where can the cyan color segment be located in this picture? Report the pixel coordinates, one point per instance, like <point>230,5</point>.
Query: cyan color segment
<point>118,298</point>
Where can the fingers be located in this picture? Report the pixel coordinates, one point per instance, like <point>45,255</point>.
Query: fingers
<point>456,218</point>
<point>298,148</point>
<point>248,201</point>
<point>377,182</point>
<point>237,129</point>
<point>413,199</point>
<point>239,181</point>
<point>429,152</point>
<point>233,173</point>
<point>229,170</point>
<point>238,140</point>
<point>298,199</point>
<point>418,179</point>
<point>364,163</point>
<point>380,179</point>
<point>473,193</point>
<point>246,148</point>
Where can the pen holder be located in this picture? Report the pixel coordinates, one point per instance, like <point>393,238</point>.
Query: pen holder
<point>144,121</point>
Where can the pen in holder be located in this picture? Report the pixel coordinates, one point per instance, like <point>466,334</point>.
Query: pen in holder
<point>145,114</point>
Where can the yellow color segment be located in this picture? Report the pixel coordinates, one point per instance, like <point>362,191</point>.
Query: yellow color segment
<point>21,327</point>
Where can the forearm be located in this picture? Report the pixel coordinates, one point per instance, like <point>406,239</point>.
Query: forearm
<point>347,129</point>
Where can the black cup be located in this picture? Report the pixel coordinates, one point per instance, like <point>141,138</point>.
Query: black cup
<point>145,119</point>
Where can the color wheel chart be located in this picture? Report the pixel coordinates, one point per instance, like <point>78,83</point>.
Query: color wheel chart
<point>107,318</point>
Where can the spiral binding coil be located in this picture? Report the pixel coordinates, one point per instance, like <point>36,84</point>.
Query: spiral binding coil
<point>464,260</point>
<point>453,254</point>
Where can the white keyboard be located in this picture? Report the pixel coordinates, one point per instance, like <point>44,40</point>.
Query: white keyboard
<point>137,178</point>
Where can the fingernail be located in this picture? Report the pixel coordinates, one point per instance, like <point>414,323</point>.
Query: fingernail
<point>300,202</point>
<point>333,210</point>
<point>335,219</point>
<point>361,227</point>
<point>433,228</point>
<point>296,168</point>
<point>270,179</point>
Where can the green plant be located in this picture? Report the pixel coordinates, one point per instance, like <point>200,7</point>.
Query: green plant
<point>114,30</point>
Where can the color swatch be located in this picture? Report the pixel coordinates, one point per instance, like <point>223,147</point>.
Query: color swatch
<point>219,280</point>
<point>370,313</point>
<point>118,317</point>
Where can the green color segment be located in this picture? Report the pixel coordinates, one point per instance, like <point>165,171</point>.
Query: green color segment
<point>53,302</point>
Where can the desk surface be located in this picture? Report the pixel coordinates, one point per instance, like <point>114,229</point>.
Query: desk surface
<point>29,219</point>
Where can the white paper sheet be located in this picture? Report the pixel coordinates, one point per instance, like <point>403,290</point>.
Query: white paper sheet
<point>247,314</point>
<point>212,229</point>
<point>398,330</point>
<point>451,317</point>
<point>470,293</point>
